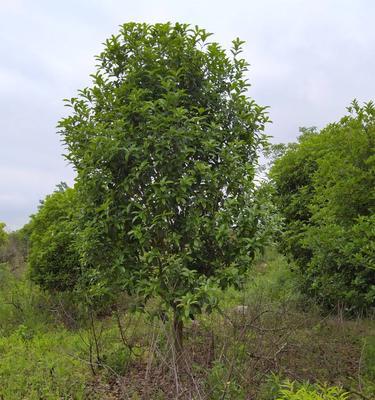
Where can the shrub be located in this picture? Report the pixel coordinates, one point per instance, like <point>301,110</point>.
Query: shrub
<point>324,189</point>
<point>292,391</point>
<point>53,258</point>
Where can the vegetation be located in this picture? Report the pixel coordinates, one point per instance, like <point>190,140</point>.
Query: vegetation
<point>165,148</point>
<point>304,392</point>
<point>13,247</point>
<point>3,234</point>
<point>53,257</point>
<point>168,228</point>
<point>51,350</point>
<point>324,189</point>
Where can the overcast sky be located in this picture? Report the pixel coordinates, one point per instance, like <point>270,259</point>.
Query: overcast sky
<point>308,59</point>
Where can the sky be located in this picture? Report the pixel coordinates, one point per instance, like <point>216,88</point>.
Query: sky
<point>309,60</point>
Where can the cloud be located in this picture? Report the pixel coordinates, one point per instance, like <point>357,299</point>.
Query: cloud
<point>25,187</point>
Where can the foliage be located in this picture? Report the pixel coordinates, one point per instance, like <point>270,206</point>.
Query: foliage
<point>3,234</point>
<point>14,250</point>
<point>324,189</point>
<point>165,147</point>
<point>53,258</point>
<point>3,240</point>
<point>222,385</point>
<point>342,267</point>
<point>293,391</point>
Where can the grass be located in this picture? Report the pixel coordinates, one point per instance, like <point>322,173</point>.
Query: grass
<point>42,366</point>
<point>271,280</point>
<point>264,337</point>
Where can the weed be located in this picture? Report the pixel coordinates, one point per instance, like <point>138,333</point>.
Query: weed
<point>294,391</point>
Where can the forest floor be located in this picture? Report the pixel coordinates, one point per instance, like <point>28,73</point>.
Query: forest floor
<point>262,336</point>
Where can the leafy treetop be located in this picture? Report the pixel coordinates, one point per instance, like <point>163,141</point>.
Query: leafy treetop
<point>165,146</point>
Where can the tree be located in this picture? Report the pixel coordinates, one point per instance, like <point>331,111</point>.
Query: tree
<point>3,234</point>
<point>291,174</point>
<point>324,188</point>
<point>14,250</point>
<point>165,145</point>
<point>53,258</point>
<point>3,241</point>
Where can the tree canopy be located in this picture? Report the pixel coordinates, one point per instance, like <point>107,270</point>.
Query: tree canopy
<point>165,147</point>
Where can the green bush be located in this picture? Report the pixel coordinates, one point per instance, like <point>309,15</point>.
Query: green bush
<point>3,233</point>
<point>53,258</point>
<point>342,267</point>
<point>324,190</point>
<point>3,240</point>
<point>292,391</point>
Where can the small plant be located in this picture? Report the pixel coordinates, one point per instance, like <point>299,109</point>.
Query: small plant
<point>117,359</point>
<point>271,388</point>
<point>223,385</point>
<point>294,391</point>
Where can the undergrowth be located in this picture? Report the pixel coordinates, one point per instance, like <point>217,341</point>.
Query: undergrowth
<point>265,342</point>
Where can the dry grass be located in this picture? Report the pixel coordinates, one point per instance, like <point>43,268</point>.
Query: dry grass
<point>244,349</point>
